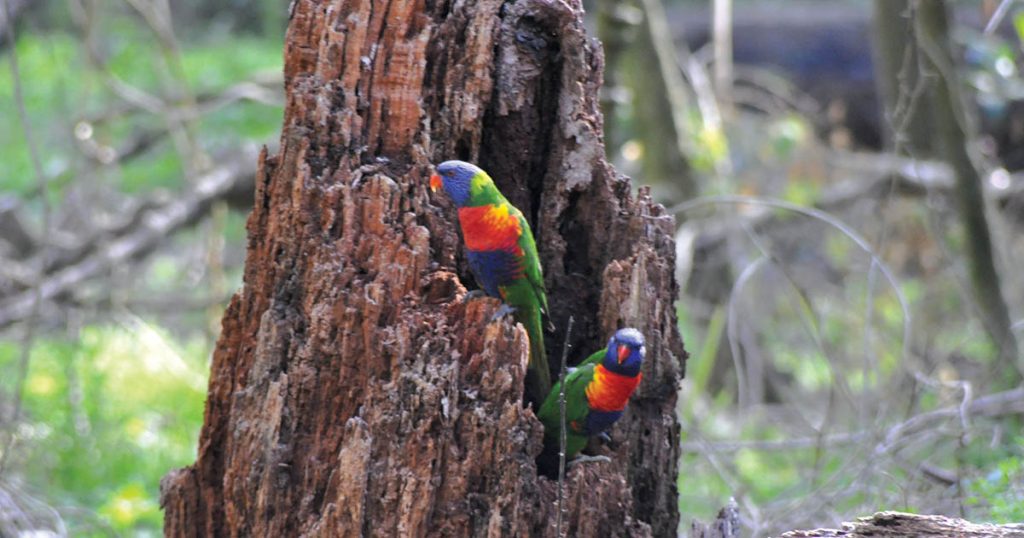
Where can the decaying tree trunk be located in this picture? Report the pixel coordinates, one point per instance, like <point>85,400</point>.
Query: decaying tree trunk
<point>899,525</point>
<point>353,391</point>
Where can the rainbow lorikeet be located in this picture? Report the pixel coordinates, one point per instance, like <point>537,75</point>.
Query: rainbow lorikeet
<point>596,393</point>
<point>502,256</point>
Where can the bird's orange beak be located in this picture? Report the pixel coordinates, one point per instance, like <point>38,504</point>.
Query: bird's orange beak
<point>435,182</point>
<point>623,353</point>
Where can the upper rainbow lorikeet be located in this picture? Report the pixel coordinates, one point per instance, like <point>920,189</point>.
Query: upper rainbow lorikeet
<point>502,256</point>
<point>596,393</point>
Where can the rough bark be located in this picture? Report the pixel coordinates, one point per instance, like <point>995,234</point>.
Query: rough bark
<point>898,524</point>
<point>353,392</point>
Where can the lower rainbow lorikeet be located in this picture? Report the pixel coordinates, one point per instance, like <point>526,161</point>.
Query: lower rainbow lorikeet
<point>502,256</point>
<point>596,393</point>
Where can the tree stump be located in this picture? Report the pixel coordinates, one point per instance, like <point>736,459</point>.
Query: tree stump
<point>353,391</point>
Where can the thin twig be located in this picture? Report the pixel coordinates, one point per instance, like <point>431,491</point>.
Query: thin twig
<point>562,435</point>
<point>823,217</point>
<point>992,405</point>
<point>36,292</point>
<point>781,445</point>
<point>722,44</point>
<point>997,17</point>
<point>903,118</point>
<point>732,325</point>
<point>181,127</point>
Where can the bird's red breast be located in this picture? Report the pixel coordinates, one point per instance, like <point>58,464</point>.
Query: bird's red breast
<point>490,227</point>
<point>609,391</point>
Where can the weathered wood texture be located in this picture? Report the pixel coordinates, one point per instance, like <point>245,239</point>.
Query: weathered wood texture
<point>899,525</point>
<point>352,391</point>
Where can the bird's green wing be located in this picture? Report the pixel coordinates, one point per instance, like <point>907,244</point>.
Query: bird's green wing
<point>594,359</point>
<point>576,406</point>
<point>484,191</point>
<point>527,295</point>
<point>531,263</point>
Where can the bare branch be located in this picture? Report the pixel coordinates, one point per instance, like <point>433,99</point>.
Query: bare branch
<point>155,226</point>
<point>562,433</point>
<point>997,16</point>
<point>994,405</point>
<point>823,217</point>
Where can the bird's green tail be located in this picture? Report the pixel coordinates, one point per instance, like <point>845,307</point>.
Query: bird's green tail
<point>538,378</point>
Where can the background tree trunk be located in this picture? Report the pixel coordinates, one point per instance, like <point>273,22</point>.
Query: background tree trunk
<point>352,390</point>
<point>617,26</point>
<point>907,128</point>
<point>660,104</point>
<point>953,132</point>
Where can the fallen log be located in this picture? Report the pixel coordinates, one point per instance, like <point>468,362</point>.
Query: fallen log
<point>886,524</point>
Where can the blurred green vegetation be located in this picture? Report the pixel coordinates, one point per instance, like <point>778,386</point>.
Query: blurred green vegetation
<point>1000,492</point>
<point>841,368</point>
<point>107,412</point>
<point>61,88</point>
<point>115,401</point>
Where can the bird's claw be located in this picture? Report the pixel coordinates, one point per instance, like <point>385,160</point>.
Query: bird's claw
<point>502,311</point>
<point>588,459</point>
<point>604,437</point>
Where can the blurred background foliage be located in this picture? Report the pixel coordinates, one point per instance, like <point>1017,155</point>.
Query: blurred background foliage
<point>840,361</point>
<point>843,356</point>
<point>130,105</point>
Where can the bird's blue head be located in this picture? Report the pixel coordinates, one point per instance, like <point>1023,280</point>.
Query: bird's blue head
<point>457,179</point>
<point>625,352</point>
